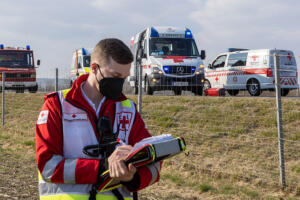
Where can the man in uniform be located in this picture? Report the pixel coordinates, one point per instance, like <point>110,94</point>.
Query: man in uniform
<point>68,122</point>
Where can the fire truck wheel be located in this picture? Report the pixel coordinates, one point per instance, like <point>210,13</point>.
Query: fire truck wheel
<point>177,91</point>
<point>33,89</point>
<point>253,87</point>
<point>284,92</point>
<point>233,92</point>
<point>148,89</point>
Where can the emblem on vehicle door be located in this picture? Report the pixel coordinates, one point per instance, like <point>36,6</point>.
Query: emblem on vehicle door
<point>179,70</point>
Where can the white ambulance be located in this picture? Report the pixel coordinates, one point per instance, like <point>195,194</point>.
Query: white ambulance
<point>252,70</point>
<point>170,61</point>
<point>80,63</point>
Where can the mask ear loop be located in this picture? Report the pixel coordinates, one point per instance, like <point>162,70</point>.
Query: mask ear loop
<point>100,74</point>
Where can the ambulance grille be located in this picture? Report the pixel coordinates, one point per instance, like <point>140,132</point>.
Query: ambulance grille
<point>179,70</point>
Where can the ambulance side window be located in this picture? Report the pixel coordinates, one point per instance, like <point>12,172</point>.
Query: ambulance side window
<point>79,62</point>
<point>219,62</point>
<point>237,60</point>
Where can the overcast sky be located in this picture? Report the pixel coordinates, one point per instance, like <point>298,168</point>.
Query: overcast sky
<point>55,28</point>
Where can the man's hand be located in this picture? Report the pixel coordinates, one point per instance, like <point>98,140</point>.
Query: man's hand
<point>117,168</point>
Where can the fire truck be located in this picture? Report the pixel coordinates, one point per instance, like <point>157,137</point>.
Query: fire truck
<point>18,65</point>
<point>170,60</point>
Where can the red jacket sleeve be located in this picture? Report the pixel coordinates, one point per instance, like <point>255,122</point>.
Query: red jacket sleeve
<point>148,174</point>
<point>52,165</point>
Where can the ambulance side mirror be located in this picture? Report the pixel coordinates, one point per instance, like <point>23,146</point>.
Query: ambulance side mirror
<point>140,54</point>
<point>209,66</point>
<point>203,54</point>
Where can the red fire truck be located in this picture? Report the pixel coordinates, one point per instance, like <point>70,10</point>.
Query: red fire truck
<point>18,65</point>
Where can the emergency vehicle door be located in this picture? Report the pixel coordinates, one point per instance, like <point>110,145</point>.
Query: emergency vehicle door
<point>236,64</point>
<point>217,72</point>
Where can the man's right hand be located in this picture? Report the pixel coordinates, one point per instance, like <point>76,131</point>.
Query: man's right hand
<point>117,168</point>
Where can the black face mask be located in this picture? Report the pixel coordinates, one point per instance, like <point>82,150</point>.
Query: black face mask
<point>110,87</point>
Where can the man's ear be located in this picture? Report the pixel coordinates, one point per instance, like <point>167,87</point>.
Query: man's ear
<point>94,68</point>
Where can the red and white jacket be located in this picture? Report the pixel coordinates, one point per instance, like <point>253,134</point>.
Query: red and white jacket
<point>65,125</point>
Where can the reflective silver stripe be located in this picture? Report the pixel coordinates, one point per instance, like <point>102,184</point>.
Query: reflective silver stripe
<point>50,167</point>
<point>154,173</point>
<point>69,170</point>
<point>47,189</point>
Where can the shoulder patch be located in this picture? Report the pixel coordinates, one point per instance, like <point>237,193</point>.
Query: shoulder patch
<point>43,116</point>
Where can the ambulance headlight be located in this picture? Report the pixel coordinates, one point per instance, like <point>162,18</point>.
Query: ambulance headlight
<point>156,69</point>
<point>200,70</point>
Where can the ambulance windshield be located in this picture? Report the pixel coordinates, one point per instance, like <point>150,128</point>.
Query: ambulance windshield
<point>172,47</point>
<point>86,61</point>
<point>15,59</point>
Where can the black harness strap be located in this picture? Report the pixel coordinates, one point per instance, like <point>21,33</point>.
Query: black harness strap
<point>95,186</point>
<point>117,193</point>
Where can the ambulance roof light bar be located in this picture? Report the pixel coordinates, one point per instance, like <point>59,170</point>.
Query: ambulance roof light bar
<point>188,33</point>
<point>83,51</point>
<point>236,49</point>
<point>154,33</point>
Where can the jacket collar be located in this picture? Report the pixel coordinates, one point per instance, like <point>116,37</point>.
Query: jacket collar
<point>75,97</point>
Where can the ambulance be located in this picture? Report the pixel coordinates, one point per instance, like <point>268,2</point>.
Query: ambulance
<point>18,65</point>
<point>169,59</point>
<point>252,70</point>
<point>80,63</point>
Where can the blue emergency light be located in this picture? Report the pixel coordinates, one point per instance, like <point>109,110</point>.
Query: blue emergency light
<point>83,52</point>
<point>166,68</point>
<point>188,33</point>
<point>27,47</point>
<point>154,33</point>
<point>193,69</point>
<point>1,46</point>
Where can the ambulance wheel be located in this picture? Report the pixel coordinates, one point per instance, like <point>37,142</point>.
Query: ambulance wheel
<point>136,89</point>
<point>285,92</point>
<point>233,92</point>
<point>177,91</point>
<point>253,87</point>
<point>198,90</point>
<point>148,89</point>
<point>206,85</point>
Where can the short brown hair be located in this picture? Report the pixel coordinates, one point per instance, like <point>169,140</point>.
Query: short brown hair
<point>114,48</point>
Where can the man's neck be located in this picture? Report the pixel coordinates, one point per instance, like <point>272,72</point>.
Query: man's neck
<point>92,92</point>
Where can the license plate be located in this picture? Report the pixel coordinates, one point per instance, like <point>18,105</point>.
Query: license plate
<point>180,84</point>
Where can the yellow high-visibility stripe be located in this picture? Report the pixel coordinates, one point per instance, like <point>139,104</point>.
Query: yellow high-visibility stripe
<point>87,69</point>
<point>126,103</point>
<point>65,92</point>
<point>80,197</point>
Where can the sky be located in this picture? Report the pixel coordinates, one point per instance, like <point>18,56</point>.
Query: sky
<point>54,29</point>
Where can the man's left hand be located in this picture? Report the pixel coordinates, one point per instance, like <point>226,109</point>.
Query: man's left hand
<point>117,168</point>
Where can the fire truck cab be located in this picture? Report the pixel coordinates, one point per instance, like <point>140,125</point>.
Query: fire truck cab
<point>169,59</point>
<point>18,65</point>
<point>80,63</point>
<point>252,70</point>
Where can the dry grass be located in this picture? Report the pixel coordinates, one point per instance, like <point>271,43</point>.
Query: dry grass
<point>232,144</point>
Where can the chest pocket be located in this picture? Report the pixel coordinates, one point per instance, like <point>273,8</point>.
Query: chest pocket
<point>77,130</point>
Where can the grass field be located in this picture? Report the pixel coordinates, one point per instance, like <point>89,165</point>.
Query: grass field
<point>232,142</point>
